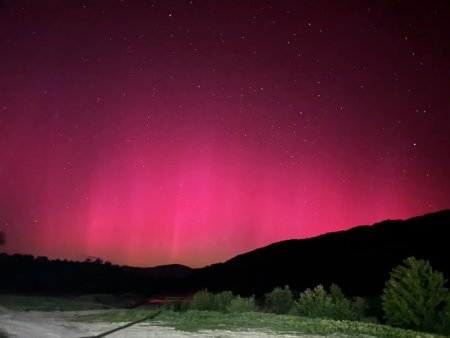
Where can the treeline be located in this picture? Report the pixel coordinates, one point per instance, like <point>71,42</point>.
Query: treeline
<point>314,303</point>
<point>29,274</point>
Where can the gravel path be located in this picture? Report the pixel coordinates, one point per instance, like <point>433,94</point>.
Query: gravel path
<point>37,324</point>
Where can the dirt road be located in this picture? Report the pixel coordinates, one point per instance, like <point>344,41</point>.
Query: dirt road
<point>37,324</point>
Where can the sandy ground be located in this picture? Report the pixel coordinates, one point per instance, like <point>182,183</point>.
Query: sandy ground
<point>37,324</point>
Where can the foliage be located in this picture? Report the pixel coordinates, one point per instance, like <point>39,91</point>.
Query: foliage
<point>206,301</point>
<point>359,307</point>
<point>240,304</point>
<point>415,297</point>
<point>2,238</point>
<point>203,300</point>
<point>314,303</point>
<point>445,318</point>
<point>280,300</point>
<point>222,300</point>
<point>333,305</point>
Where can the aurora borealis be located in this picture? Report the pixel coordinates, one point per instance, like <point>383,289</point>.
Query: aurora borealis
<point>161,132</point>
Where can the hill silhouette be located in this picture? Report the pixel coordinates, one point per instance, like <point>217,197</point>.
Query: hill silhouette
<point>28,274</point>
<point>358,260</point>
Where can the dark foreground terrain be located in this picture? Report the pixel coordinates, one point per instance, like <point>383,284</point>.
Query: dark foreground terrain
<point>25,317</point>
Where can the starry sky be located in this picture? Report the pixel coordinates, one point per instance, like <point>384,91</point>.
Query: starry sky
<point>156,132</point>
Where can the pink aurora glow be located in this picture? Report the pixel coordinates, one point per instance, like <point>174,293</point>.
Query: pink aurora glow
<point>159,134</point>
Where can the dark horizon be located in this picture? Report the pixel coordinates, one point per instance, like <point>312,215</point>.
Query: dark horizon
<point>92,259</point>
<point>358,260</point>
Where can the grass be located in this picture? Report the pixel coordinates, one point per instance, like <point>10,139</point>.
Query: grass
<point>120,315</point>
<point>207,320</point>
<point>39,303</point>
<point>195,320</point>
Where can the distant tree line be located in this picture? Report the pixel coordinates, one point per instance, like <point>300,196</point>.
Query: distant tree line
<point>28,274</point>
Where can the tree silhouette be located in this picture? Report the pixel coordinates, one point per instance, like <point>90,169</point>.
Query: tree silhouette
<point>2,238</point>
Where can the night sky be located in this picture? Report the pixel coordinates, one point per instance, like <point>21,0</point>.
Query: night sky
<point>149,133</point>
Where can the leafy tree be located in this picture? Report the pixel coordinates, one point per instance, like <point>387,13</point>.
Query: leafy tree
<point>415,297</point>
<point>280,300</point>
<point>2,238</point>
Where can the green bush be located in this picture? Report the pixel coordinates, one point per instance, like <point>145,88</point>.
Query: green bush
<point>344,308</point>
<point>359,307</point>
<point>203,300</point>
<point>333,305</point>
<point>415,297</point>
<point>279,301</point>
<point>241,304</point>
<point>222,300</point>
<point>206,301</point>
<point>314,303</point>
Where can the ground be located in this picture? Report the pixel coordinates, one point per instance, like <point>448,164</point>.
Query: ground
<point>53,324</point>
<point>101,315</point>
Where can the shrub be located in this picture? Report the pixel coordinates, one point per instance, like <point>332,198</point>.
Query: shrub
<point>241,304</point>
<point>203,300</point>
<point>279,300</point>
<point>333,305</point>
<point>206,301</point>
<point>415,297</point>
<point>359,307</point>
<point>344,308</point>
<point>314,303</point>
<point>222,300</point>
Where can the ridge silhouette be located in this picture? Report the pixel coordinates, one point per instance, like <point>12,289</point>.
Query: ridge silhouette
<point>358,260</point>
